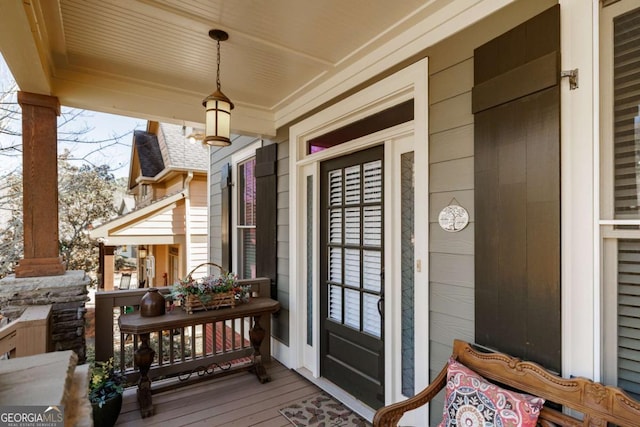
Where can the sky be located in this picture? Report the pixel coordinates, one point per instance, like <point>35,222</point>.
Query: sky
<point>115,132</point>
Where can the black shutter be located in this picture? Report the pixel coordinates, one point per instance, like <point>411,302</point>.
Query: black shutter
<point>516,102</point>
<point>266,218</point>
<point>225,220</point>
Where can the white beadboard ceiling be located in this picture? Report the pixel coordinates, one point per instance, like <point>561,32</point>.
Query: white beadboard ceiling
<point>154,59</point>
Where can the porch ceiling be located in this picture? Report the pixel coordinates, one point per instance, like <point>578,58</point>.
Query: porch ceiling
<point>153,58</point>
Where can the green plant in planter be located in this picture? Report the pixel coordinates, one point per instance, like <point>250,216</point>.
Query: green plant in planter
<point>106,383</point>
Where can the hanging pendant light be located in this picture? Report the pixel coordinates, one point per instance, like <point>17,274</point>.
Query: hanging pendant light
<point>217,106</point>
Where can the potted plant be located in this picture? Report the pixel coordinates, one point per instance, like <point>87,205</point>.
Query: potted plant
<point>105,393</point>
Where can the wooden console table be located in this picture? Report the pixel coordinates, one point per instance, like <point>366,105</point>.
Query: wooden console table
<point>260,309</point>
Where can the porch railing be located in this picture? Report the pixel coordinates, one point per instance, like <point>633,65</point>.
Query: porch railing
<point>180,352</point>
<point>28,334</point>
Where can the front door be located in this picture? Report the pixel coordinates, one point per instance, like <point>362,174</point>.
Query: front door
<point>351,274</point>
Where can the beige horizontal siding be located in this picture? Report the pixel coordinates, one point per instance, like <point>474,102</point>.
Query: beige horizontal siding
<point>452,175</point>
<point>453,269</point>
<point>169,222</point>
<point>451,144</point>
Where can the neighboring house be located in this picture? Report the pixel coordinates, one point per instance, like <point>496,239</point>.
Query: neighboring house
<point>168,181</point>
<point>126,205</point>
<point>523,112</point>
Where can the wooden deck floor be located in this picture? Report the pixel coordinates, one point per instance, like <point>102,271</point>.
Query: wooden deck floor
<point>236,400</point>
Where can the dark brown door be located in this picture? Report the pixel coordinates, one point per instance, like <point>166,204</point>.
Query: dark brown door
<point>351,291</point>
<point>516,101</point>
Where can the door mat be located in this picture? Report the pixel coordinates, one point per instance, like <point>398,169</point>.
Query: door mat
<point>322,410</point>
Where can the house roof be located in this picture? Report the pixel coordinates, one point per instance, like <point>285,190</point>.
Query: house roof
<point>180,153</point>
<point>149,153</point>
<point>167,150</point>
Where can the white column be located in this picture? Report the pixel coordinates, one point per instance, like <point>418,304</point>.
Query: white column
<point>580,191</point>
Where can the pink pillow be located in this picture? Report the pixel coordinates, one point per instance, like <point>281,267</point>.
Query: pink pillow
<point>471,401</point>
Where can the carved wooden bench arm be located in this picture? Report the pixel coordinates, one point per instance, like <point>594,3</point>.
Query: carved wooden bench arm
<point>391,414</point>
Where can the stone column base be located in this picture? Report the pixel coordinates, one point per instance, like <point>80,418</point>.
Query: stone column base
<point>66,293</point>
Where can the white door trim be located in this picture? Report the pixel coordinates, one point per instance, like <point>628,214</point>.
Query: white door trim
<point>408,83</point>
<point>579,165</point>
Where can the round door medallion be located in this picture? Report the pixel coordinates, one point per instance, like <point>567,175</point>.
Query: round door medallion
<point>453,218</point>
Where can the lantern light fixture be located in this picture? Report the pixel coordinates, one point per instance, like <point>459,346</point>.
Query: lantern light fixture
<point>217,106</point>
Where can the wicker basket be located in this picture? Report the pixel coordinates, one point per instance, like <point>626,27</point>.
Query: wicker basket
<point>194,303</point>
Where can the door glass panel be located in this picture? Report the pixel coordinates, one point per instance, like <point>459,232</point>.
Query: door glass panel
<point>372,270</point>
<point>373,181</point>
<point>371,317</point>
<point>335,265</point>
<point>335,303</point>
<point>352,186</point>
<point>335,187</point>
<point>352,308</point>
<point>372,232</point>
<point>335,226</point>
<point>352,226</point>
<point>352,267</point>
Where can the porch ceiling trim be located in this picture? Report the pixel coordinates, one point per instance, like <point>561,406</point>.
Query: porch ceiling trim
<point>32,39</point>
<point>437,26</point>
<point>30,69</point>
<point>140,99</point>
<point>107,231</point>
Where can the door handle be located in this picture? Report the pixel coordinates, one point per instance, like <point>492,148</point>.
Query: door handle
<point>381,304</point>
<point>381,300</point>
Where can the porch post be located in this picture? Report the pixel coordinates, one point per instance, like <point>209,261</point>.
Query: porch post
<point>40,186</point>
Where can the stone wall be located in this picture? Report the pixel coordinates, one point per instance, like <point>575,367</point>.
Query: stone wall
<point>67,294</point>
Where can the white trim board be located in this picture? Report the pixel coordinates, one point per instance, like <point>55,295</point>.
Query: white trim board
<point>408,83</point>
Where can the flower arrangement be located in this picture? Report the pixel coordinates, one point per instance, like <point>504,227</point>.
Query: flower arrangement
<point>206,287</point>
<point>105,382</point>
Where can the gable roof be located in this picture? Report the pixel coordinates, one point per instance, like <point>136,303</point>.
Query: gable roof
<point>164,147</point>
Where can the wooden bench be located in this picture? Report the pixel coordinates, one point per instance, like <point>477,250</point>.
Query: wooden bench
<point>592,404</point>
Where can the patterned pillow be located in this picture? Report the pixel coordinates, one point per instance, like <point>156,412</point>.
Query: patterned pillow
<point>471,401</point>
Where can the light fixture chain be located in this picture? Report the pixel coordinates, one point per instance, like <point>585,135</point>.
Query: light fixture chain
<point>218,71</point>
